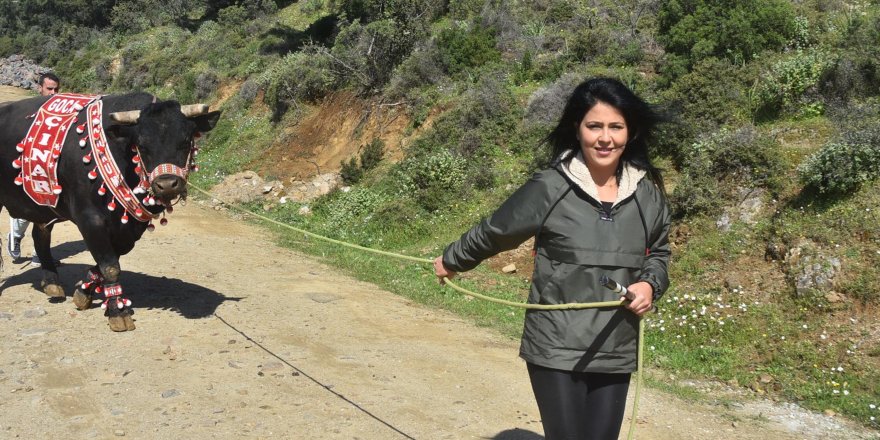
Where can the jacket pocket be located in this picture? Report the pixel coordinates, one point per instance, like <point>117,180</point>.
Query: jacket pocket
<point>596,257</point>
<point>546,279</point>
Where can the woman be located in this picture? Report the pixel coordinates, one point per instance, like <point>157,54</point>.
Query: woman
<point>598,210</point>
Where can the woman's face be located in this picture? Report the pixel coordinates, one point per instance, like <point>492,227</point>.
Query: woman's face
<point>602,135</point>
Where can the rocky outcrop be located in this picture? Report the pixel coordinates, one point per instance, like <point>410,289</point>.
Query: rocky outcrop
<point>18,71</point>
<point>249,187</point>
<point>811,269</point>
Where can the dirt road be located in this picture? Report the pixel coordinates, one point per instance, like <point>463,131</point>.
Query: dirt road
<point>238,338</point>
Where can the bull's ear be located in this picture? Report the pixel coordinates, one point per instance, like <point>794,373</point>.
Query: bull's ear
<point>119,131</point>
<point>206,121</point>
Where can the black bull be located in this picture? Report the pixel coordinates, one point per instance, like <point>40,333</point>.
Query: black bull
<point>162,134</point>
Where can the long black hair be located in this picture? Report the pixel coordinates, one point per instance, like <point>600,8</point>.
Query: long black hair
<point>640,117</point>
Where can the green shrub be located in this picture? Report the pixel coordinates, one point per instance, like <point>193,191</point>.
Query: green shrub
<point>431,179</point>
<point>840,167</point>
<point>853,158</point>
<point>341,210</point>
<point>713,95</point>
<point>855,75</point>
<point>310,7</point>
<point>784,85</point>
<point>698,29</point>
<point>372,154</point>
<point>717,164</point>
<point>350,172</point>
<point>131,17</point>
<point>463,49</point>
<point>299,76</point>
<point>464,9</point>
<point>421,68</point>
<point>605,45</point>
<point>366,55</point>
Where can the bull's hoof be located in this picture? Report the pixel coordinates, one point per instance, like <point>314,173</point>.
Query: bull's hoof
<point>82,300</point>
<point>121,323</point>
<point>53,291</point>
<point>129,323</point>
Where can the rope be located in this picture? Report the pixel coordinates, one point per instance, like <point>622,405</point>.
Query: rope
<point>567,306</point>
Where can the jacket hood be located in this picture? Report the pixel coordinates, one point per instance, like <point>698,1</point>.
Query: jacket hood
<point>575,168</point>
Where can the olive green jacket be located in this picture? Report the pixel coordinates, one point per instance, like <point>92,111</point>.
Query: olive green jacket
<point>575,246</point>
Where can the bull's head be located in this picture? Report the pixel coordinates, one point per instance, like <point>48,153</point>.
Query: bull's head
<point>164,135</point>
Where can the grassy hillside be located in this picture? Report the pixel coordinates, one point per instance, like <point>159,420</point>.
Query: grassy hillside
<point>772,162</point>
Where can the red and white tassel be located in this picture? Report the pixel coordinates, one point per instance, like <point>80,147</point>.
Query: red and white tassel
<point>16,163</point>
<point>169,209</point>
<point>83,142</point>
<point>87,158</point>
<point>93,174</point>
<point>102,190</point>
<point>151,227</point>
<point>163,221</point>
<point>112,205</point>
<point>19,147</point>
<point>124,218</point>
<point>81,128</point>
<point>56,189</point>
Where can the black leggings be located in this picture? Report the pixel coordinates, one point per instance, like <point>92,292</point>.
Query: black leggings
<point>579,406</point>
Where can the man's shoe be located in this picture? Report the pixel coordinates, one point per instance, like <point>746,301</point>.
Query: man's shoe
<point>35,261</point>
<point>13,245</point>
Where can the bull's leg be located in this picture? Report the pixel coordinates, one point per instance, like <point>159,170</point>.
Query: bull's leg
<point>86,290</point>
<point>93,227</point>
<point>42,235</point>
<point>117,309</point>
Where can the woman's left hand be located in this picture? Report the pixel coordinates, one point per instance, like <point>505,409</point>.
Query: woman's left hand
<point>644,298</point>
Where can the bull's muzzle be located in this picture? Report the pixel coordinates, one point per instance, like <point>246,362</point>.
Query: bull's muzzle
<point>168,186</point>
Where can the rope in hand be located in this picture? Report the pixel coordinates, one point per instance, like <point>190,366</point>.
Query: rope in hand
<point>447,281</point>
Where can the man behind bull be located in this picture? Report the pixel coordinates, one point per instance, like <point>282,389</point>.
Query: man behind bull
<point>48,85</point>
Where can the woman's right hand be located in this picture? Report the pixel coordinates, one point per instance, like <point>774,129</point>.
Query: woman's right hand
<point>441,271</point>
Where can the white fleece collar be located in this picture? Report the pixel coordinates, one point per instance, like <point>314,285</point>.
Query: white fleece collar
<point>576,170</point>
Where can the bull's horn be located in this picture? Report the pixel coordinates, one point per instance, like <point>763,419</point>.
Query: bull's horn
<point>129,117</point>
<point>191,110</point>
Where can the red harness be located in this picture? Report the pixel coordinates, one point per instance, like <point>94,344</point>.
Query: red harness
<point>42,145</point>
<point>109,171</point>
